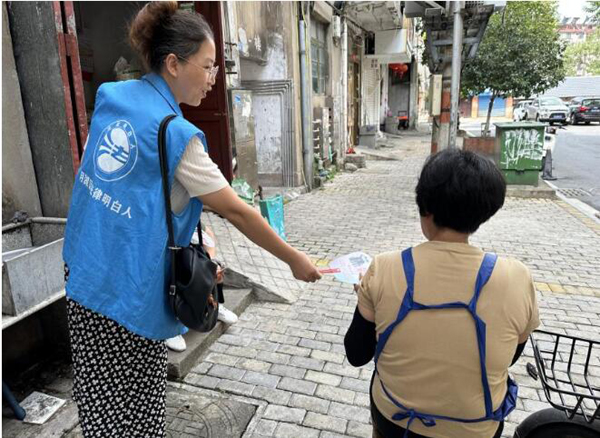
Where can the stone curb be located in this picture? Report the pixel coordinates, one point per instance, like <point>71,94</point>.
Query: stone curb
<point>374,155</point>
<point>526,192</point>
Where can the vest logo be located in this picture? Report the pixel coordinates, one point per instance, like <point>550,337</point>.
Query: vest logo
<point>116,151</point>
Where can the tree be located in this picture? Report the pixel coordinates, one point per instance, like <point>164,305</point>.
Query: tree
<point>584,56</point>
<point>593,10</point>
<point>520,55</point>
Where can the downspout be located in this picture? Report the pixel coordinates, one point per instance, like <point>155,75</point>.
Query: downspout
<point>457,44</point>
<point>307,139</point>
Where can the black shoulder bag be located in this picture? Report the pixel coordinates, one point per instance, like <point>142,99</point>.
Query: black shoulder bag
<point>193,273</point>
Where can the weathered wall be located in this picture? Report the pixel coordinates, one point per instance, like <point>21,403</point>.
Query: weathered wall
<point>267,44</point>
<point>384,110</point>
<point>19,186</point>
<point>413,116</point>
<point>36,54</point>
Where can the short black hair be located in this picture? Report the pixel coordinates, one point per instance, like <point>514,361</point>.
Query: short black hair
<point>461,189</point>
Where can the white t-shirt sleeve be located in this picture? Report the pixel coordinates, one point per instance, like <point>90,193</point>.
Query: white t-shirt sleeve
<point>197,173</point>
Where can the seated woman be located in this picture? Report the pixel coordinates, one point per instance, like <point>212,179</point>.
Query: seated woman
<point>444,320</point>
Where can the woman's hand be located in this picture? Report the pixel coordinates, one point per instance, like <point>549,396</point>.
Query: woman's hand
<point>220,274</point>
<point>249,221</point>
<point>303,269</point>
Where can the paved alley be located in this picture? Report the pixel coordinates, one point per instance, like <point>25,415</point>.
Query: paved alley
<point>289,359</point>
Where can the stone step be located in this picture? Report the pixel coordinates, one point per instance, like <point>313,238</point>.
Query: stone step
<point>180,363</point>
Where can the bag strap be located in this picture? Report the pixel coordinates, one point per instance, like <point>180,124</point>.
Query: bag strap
<point>162,156</point>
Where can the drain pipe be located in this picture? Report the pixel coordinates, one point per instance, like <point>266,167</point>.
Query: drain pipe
<point>307,139</point>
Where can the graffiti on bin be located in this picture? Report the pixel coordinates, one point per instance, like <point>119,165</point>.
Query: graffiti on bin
<point>521,144</point>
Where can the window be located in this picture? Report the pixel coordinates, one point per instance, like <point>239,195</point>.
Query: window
<point>547,101</point>
<point>319,56</point>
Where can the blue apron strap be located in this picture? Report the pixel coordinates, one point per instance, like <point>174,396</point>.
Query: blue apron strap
<point>484,274</point>
<point>407,302</point>
<point>408,264</point>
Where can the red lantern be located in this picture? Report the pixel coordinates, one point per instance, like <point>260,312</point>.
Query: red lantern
<point>399,69</point>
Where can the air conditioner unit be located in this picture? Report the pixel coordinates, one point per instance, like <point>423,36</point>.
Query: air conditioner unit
<point>391,46</point>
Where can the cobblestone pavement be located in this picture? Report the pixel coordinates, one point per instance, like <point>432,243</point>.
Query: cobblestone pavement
<point>291,357</point>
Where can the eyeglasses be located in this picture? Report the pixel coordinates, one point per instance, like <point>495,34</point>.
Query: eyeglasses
<point>212,71</point>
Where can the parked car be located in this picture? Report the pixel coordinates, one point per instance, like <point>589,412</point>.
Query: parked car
<point>584,109</point>
<point>520,110</point>
<point>548,109</point>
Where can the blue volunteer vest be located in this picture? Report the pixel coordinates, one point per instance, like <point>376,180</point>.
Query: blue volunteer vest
<point>409,304</point>
<point>116,235</point>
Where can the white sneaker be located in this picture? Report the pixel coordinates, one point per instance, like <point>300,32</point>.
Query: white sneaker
<point>176,344</point>
<point>226,315</point>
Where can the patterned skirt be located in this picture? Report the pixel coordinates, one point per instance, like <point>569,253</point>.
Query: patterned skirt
<point>120,378</point>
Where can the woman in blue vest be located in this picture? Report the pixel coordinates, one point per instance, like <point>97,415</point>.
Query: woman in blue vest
<point>115,241</point>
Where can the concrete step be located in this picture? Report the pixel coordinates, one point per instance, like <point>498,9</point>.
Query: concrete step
<point>180,363</point>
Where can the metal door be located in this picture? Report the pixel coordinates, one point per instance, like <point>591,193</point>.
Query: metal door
<point>70,69</point>
<point>498,110</point>
<point>212,114</point>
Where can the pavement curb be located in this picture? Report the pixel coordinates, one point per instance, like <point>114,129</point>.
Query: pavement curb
<point>375,155</point>
<point>586,213</point>
<point>530,192</point>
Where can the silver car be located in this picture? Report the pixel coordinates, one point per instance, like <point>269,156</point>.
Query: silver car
<point>548,109</point>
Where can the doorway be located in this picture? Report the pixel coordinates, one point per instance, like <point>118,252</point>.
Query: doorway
<point>103,45</point>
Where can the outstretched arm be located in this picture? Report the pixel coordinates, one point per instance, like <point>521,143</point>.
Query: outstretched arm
<point>251,223</point>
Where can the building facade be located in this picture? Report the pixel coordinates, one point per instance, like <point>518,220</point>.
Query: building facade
<point>360,74</point>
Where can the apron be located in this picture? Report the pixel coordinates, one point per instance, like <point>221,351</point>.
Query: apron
<point>409,304</point>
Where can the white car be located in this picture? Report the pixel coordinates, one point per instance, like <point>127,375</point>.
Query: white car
<point>548,109</point>
<point>520,110</point>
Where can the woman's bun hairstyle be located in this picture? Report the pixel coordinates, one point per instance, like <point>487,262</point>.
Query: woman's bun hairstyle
<point>161,28</point>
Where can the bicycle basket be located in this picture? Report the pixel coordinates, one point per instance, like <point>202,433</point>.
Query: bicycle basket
<point>563,364</point>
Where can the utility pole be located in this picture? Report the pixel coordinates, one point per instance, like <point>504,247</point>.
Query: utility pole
<point>457,44</point>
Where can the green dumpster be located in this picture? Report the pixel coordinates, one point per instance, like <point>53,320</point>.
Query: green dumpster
<point>519,148</point>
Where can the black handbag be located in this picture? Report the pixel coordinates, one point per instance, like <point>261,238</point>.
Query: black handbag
<point>193,273</point>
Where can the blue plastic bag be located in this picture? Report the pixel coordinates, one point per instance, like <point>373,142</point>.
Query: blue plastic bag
<point>272,210</point>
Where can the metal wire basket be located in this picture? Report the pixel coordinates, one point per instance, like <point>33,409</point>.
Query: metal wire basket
<point>563,364</point>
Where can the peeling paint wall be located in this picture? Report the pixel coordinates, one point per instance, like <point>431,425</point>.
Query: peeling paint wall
<point>268,133</point>
<point>267,45</point>
<point>385,110</point>
<point>275,67</point>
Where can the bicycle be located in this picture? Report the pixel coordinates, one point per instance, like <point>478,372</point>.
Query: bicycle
<point>562,365</point>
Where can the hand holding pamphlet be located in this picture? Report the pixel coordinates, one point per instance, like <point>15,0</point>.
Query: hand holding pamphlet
<point>349,268</point>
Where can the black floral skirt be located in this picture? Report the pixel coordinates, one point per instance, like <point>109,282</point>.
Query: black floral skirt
<point>120,377</point>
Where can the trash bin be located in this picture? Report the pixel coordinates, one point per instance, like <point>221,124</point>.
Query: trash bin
<point>519,151</point>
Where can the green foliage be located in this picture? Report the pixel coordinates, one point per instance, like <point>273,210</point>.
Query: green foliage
<point>593,10</point>
<point>584,54</point>
<point>520,55</point>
